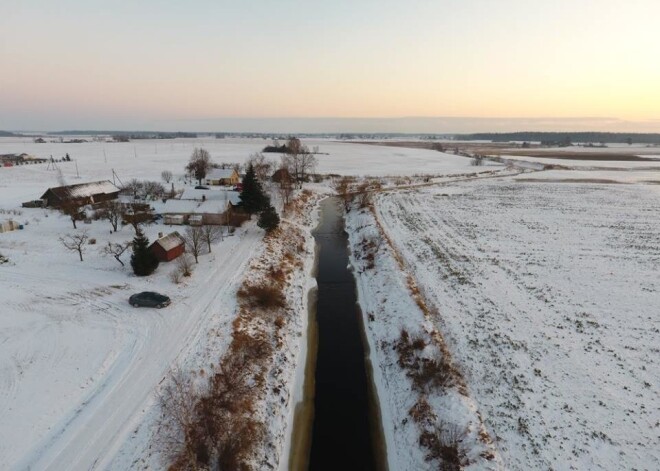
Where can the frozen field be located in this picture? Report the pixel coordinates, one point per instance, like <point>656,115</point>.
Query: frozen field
<point>548,296</point>
<point>147,158</point>
<point>78,365</point>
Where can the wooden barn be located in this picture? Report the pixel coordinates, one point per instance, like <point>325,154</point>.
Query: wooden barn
<point>80,194</point>
<point>169,247</point>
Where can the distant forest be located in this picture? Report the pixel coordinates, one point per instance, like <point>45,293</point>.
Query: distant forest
<point>128,134</point>
<point>565,137</point>
<point>8,134</point>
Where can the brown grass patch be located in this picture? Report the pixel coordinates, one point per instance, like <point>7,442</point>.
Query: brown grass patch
<point>262,296</point>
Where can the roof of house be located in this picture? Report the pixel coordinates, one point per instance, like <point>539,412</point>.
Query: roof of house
<point>83,190</point>
<point>220,173</point>
<point>190,194</point>
<point>170,241</point>
<point>191,202</point>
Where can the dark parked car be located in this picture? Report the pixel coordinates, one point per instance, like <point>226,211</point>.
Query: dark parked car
<point>202,187</point>
<point>149,299</point>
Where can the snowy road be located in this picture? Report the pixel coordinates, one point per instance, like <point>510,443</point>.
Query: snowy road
<point>89,435</point>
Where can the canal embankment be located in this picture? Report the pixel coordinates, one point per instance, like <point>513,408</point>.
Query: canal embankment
<point>428,418</point>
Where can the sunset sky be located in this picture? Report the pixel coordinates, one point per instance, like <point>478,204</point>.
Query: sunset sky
<point>198,65</point>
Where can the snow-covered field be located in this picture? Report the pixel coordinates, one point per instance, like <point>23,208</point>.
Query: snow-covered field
<point>548,295</point>
<point>147,158</point>
<point>79,365</point>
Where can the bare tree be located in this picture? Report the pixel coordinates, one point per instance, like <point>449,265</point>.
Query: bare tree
<point>74,210</point>
<point>133,187</point>
<point>211,234</point>
<point>343,189</point>
<point>285,187</point>
<point>75,242</point>
<point>152,190</point>
<point>178,419</point>
<point>184,265</point>
<point>307,164</point>
<point>262,167</point>
<point>194,239</point>
<point>299,161</point>
<point>136,214</point>
<point>166,175</point>
<point>199,164</point>
<point>116,250</point>
<point>111,211</point>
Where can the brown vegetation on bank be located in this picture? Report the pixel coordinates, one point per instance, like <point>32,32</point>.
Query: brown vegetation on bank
<point>217,420</point>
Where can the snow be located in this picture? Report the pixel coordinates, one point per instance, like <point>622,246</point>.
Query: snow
<point>146,159</point>
<point>388,307</point>
<point>79,364</point>
<point>79,367</point>
<point>546,284</point>
<point>82,190</point>
<point>547,294</point>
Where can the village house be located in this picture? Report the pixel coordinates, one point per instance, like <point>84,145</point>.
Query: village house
<point>222,176</point>
<point>197,207</point>
<point>167,248</point>
<point>9,160</point>
<point>80,194</point>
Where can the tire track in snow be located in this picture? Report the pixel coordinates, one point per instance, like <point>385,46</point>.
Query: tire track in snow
<point>90,437</point>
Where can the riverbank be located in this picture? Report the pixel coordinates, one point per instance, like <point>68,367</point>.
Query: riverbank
<point>427,416</point>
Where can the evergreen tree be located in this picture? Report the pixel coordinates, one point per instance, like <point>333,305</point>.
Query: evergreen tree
<point>143,261</point>
<point>268,219</point>
<point>253,198</point>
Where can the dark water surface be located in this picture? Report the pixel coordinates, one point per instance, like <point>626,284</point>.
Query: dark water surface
<point>341,434</point>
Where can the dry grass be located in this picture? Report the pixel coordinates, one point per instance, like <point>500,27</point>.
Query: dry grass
<point>262,296</point>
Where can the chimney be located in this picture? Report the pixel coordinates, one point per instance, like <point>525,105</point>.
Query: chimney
<point>160,235</point>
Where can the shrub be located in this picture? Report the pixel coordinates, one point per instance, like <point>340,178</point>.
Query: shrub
<point>268,219</point>
<point>262,296</point>
<point>184,265</point>
<point>175,276</point>
<point>443,443</point>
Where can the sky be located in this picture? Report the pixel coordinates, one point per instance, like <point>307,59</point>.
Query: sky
<point>313,66</point>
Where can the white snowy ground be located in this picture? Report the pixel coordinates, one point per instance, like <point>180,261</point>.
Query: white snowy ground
<point>147,158</point>
<point>78,365</point>
<point>548,295</point>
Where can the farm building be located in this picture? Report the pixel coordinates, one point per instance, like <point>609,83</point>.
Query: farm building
<point>197,207</point>
<point>222,176</point>
<point>9,160</point>
<point>81,194</point>
<point>169,247</point>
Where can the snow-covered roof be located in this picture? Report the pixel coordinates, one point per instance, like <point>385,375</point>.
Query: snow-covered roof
<point>192,199</point>
<point>219,173</point>
<point>83,190</point>
<point>199,195</point>
<point>215,205</point>
<point>170,241</point>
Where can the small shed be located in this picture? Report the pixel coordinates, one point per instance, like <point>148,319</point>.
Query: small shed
<point>169,247</point>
